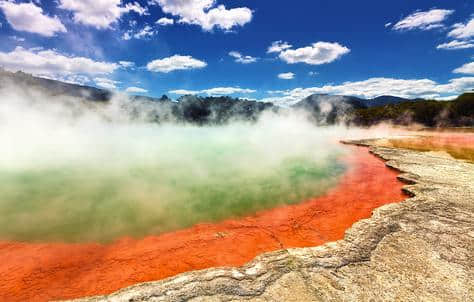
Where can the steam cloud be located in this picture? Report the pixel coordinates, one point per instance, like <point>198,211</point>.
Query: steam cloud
<point>74,170</point>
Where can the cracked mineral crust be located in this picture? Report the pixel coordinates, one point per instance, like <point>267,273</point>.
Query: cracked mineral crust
<point>421,249</point>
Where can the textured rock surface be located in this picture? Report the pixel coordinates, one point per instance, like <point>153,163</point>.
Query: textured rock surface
<point>419,250</point>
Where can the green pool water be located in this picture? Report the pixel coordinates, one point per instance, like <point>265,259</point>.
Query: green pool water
<point>137,181</point>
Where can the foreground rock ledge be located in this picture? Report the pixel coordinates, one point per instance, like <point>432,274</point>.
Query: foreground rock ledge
<point>421,249</point>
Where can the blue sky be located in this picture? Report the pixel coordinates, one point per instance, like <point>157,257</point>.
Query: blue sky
<point>155,47</point>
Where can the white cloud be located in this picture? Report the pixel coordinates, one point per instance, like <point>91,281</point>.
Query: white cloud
<point>316,54</point>
<point>176,62</point>
<point>144,33</point>
<point>276,91</point>
<point>424,20</point>
<point>239,58</point>
<point>278,46</point>
<point>126,64</point>
<point>313,73</point>
<point>127,35</point>
<point>456,44</point>
<point>18,39</point>
<point>184,92</point>
<point>388,24</point>
<point>213,91</point>
<point>135,90</point>
<point>463,31</point>
<point>226,90</point>
<point>106,83</point>
<point>100,14</point>
<point>77,79</point>
<point>50,62</point>
<point>71,78</point>
<point>165,21</point>
<point>205,13</point>
<point>374,87</point>
<point>30,18</point>
<point>286,76</point>
<point>446,98</point>
<point>467,68</point>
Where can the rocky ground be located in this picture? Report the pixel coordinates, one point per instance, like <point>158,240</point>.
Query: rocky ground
<point>421,249</point>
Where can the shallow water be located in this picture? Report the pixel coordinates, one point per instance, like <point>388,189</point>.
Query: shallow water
<point>138,180</point>
<point>56,271</point>
<point>460,146</point>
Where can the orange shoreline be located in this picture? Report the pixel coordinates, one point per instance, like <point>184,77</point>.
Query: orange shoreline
<point>49,271</point>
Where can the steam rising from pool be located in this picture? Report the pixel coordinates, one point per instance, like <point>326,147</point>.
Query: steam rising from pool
<point>72,170</point>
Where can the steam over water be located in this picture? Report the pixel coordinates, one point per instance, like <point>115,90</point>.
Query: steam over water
<point>68,173</point>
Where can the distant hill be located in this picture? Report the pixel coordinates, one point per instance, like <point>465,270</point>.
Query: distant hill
<point>322,108</point>
<point>318,99</point>
<point>329,109</point>
<point>387,100</point>
<point>54,87</point>
<point>218,110</point>
<point>187,109</point>
<point>431,113</point>
<point>357,102</point>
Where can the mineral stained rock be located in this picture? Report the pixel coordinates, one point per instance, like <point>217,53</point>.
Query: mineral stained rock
<point>421,249</point>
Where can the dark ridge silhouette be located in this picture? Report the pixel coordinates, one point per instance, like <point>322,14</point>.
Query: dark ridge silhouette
<point>54,87</point>
<point>387,100</point>
<point>323,109</point>
<point>456,113</point>
<point>329,109</point>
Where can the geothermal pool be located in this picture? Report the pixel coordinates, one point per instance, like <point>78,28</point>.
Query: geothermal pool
<point>89,204</point>
<point>55,270</point>
<point>141,180</point>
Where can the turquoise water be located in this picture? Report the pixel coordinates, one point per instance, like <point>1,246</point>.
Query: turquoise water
<point>101,184</point>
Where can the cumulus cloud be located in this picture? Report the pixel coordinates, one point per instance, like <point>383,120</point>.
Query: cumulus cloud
<point>425,20</point>
<point>467,68</point>
<point>176,62</point>
<point>456,44</point>
<point>213,91</point>
<point>463,31</point>
<point>70,78</point>
<point>18,39</point>
<point>165,21</point>
<point>30,18</point>
<point>374,87</point>
<point>184,92</point>
<point>205,13</point>
<point>227,90</point>
<point>127,35</point>
<point>446,98</point>
<point>278,46</point>
<point>239,58</point>
<point>135,90</point>
<point>463,35</point>
<point>106,83</point>
<point>126,64</point>
<point>100,14</point>
<point>286,76</point>
<point>52,63</point>
<point>316,54</point>
<point>146,32</point>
